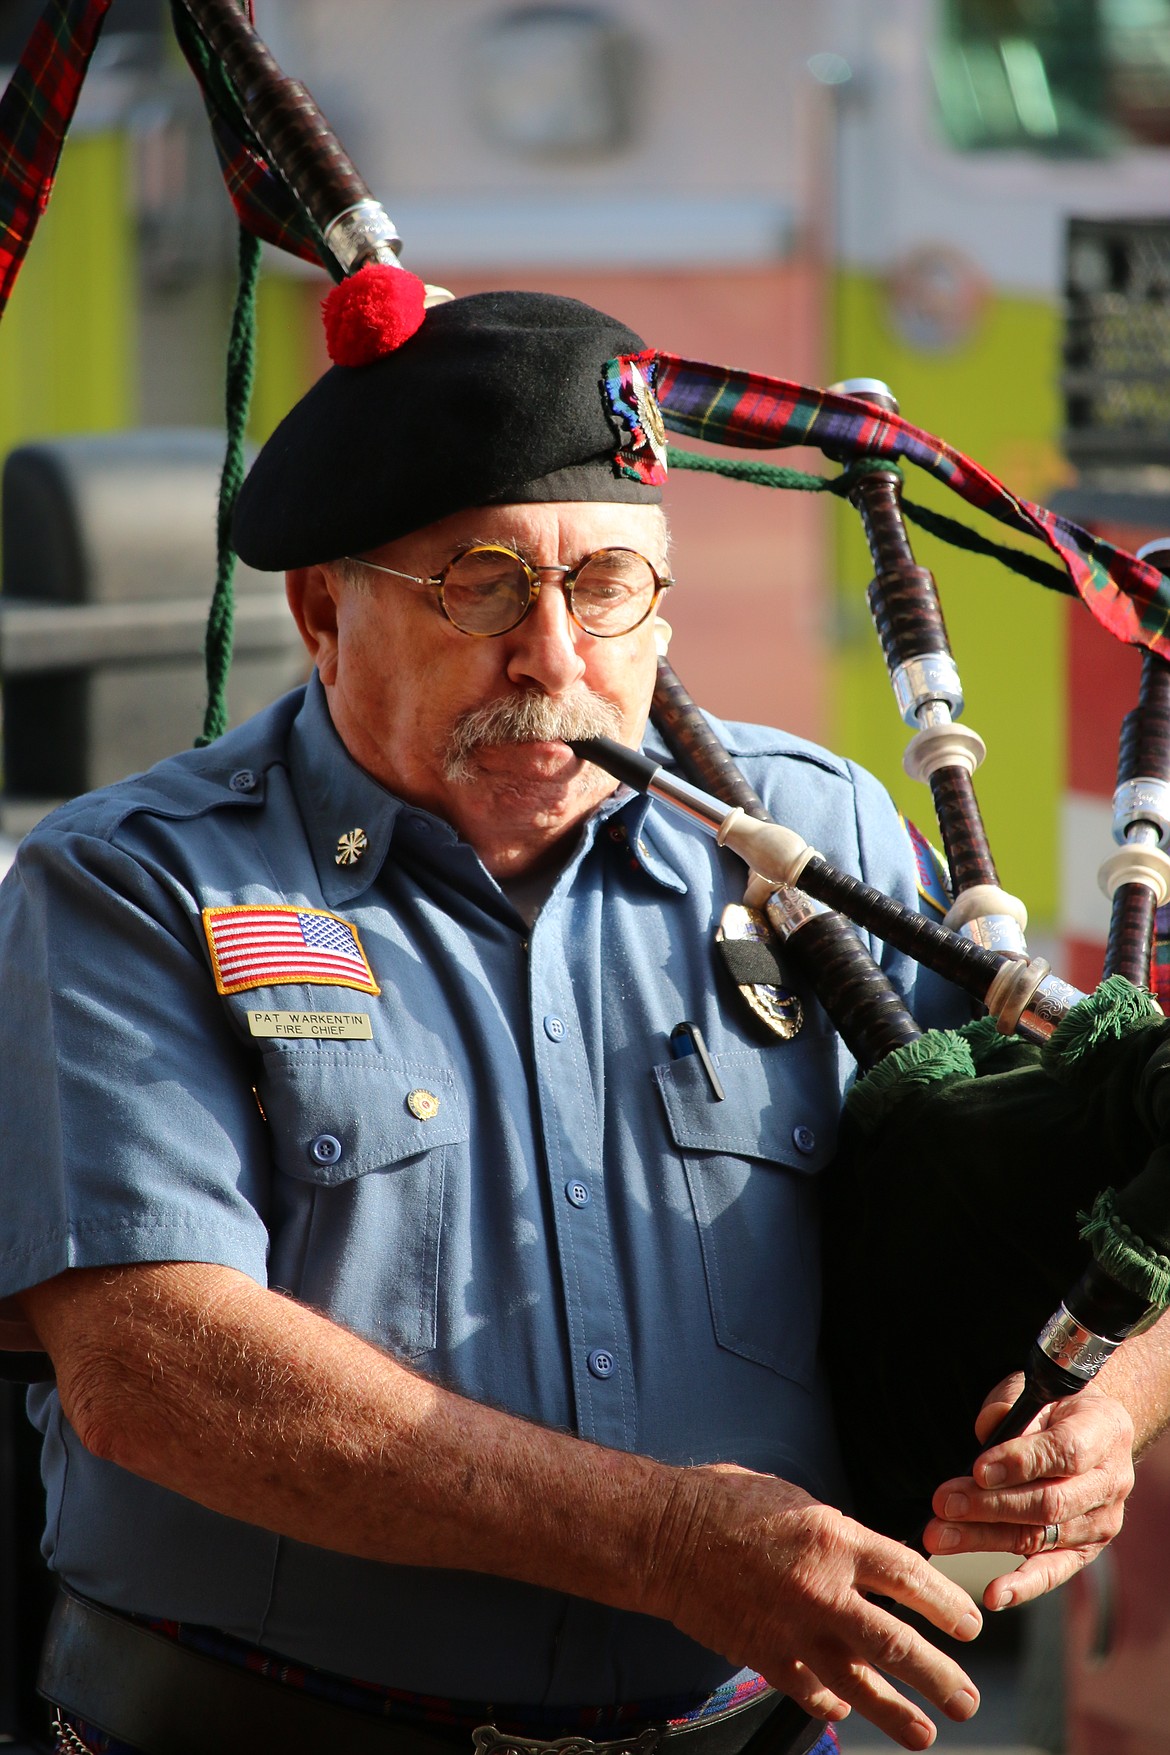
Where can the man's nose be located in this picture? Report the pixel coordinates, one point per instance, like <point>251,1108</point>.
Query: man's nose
<point>545,649</point>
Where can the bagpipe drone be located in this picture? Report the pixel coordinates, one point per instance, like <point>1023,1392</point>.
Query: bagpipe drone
<point>1032,1138</point>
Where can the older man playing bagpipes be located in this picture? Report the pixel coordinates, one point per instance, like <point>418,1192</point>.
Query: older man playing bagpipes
<point>415,1207</point>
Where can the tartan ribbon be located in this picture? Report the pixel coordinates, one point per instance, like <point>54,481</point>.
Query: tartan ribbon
<point>264,203</point>
<point>1127,596</point>
<point>35,113</point>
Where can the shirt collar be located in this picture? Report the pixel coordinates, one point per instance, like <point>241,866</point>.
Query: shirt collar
<point>339,799</point>
<point>649,825</point>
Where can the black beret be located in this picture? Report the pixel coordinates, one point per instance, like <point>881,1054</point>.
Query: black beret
<point>497,398</point>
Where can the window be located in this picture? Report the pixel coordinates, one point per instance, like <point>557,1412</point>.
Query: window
<point>1065,77</point>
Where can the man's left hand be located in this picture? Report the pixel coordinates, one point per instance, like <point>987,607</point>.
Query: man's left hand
<point>1071,1471</point>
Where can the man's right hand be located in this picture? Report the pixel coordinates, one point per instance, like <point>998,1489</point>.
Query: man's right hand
<point>261,1409</point>
<point>760,1571</point>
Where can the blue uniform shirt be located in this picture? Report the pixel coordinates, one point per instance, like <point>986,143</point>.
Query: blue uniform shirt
<point>512,1185</point>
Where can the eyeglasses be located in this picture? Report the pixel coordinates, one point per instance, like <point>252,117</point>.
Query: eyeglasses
<point>488,589</point>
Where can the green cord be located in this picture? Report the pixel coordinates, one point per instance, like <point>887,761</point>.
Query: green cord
<point>241,371</point>
<point>950,530</point>
<point>776,475</point>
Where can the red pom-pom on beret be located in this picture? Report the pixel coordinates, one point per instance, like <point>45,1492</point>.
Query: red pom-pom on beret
<point>371,313</point>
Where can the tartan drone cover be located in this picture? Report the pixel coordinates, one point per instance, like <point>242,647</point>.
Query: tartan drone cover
<point>264,203</point>
<point>35,113</point>
<point>1127,596</point>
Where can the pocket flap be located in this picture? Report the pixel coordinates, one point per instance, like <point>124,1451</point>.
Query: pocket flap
<point>336,1115</point>
<point>777,1105</point>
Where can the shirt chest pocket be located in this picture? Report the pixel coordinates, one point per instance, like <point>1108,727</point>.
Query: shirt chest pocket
<point>361,1144</point>
<point>751,1164</point>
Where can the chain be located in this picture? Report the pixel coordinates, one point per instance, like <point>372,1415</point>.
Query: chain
<point>68,1741</point>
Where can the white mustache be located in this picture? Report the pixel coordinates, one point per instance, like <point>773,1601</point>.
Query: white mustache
<point>527,718</point>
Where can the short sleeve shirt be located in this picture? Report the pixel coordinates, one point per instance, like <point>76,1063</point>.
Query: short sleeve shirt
<point>373,1086</point>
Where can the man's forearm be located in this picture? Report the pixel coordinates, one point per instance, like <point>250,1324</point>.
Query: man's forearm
<point>1139,1376</point>
<point>266,1411</point>
<point>260,1409</point>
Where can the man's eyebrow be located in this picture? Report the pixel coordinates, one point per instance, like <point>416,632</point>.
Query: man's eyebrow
<point>516,543</point>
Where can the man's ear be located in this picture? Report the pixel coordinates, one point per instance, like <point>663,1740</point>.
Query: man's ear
<point>312,594</point>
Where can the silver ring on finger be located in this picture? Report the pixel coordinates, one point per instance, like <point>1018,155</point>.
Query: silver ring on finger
<point>1051,1536</point>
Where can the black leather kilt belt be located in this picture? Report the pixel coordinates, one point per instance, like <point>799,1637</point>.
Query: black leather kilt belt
<point>166,1699</point>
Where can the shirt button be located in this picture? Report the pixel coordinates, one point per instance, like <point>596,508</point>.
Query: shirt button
<point>578,1193</point>
<point>325,1149</point>
<point>554,1028</point>
<point>804,1139</point>
<point>243,780</point>
<point>601,1362</point>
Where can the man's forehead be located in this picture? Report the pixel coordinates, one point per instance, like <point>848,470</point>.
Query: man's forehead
<point>576,524</point>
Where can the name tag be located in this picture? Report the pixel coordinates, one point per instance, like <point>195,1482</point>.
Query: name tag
<point>353,1025</point>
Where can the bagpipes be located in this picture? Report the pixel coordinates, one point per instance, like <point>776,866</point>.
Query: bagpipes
<point>994,1183</point>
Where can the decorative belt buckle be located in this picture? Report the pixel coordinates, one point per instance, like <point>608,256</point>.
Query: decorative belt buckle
<point>487,1740</point>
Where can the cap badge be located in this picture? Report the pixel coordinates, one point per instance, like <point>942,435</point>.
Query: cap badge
<point>350,847</point>
<point>628,388</point>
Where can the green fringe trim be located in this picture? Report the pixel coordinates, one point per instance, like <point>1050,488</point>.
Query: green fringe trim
<point>986,1041</point>
<point>1115,1010</point>
<point>1123,1254</point>
<point>938,1056</point>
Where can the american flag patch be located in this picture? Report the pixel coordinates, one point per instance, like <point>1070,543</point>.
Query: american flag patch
<point>272,946</point>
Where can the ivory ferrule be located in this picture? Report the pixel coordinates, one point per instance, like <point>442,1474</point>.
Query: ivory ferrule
<point>989,917</point>
<point>1013,987</point>
<point>943,746</point>
<point>919,682</point>
<point>1142,800</point>
<point>758,890</point>
<point>776,852</point>
<point>1135,864</point>
<point>981,900</point>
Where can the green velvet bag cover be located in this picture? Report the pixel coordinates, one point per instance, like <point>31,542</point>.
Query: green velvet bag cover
<point>967,1166</point>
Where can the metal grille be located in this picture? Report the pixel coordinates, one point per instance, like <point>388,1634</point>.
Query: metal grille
<point>1116,377</point>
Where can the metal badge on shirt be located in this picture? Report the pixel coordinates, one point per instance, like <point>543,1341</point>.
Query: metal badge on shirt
<point>751,955</point>
<point>274,945</point>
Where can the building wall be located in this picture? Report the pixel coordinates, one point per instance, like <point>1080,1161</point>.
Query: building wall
<point>710,220</point>
<point>693,226</point>
<point>67,342</point>
<point>951,272</point>
<point>993,395</point>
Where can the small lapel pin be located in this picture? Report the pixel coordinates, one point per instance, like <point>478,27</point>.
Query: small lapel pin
<point>423,1104</point>
<point>350,847</point>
